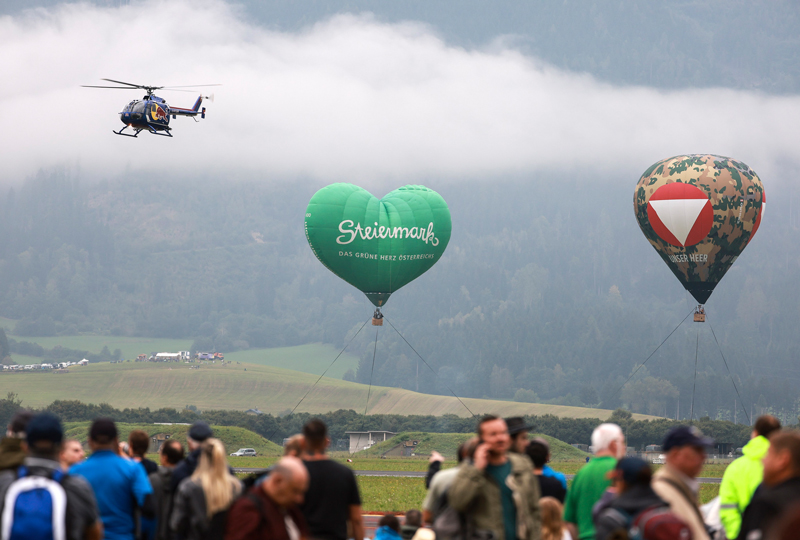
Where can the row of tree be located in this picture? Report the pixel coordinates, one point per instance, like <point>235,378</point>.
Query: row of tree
<point>275,428</point>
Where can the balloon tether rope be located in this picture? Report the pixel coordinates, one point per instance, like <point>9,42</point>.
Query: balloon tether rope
<point>694,384</point>
<point>369,390</point>
<point>655,351</point>
<point>729,373</point>
<point>429,366</point>
<point>323,374</point>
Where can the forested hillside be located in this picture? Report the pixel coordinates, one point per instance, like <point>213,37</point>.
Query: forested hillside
<point>547,291</point>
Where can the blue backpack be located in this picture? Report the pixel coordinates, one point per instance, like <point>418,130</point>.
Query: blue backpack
<point>35,507</point>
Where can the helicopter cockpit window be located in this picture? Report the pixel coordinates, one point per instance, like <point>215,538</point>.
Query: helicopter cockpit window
<point>138,107</point>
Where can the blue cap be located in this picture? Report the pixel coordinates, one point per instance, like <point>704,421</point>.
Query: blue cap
<point>44,427</point>
<point>630,468</point>
<point>686,436</point>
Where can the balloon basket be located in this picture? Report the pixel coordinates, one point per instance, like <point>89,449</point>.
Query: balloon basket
<point>700,314</point>
<point>377,318</point>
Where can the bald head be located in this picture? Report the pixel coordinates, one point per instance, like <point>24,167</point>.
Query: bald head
<point>288,482</point>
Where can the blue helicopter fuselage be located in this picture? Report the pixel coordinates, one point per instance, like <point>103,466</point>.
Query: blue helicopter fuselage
<point>150,113</point>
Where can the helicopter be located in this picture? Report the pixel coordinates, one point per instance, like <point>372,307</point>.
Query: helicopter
<point>152,113</point>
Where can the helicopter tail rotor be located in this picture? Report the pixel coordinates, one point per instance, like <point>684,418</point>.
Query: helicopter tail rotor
<point>209,97</point>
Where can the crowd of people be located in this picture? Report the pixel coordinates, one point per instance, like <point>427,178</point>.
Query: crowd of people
<point>502,488</point>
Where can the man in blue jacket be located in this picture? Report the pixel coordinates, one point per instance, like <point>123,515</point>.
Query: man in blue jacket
<point>120,485</point>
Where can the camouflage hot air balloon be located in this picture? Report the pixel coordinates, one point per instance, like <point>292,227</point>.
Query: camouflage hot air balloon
<point>377,245</point>
<point>699,212</point>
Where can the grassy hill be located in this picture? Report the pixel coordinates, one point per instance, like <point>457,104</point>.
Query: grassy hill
<point>244,386</point>
<point>311,358</point>
<point>232,437</point>
<point>447,445</point>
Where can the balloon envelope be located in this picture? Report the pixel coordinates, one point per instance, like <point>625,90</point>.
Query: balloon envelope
<point>377,245</point>
<point>699,212</point>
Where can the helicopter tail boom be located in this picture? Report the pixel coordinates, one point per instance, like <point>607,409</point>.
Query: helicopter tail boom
<point>194,111</point>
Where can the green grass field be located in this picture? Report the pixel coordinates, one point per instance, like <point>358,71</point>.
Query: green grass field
<point>447,445</point>
<point>244,386</point>
<point>312,358</point>
<point>232,437</point>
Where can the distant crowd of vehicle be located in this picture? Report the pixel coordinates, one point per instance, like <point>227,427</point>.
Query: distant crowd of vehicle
<point>44,367</point>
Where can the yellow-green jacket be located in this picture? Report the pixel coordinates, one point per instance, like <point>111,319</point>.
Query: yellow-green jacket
<point>476,494</point>
<point>739,482</point>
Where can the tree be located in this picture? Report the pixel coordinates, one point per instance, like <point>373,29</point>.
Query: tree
<point>5,350</point>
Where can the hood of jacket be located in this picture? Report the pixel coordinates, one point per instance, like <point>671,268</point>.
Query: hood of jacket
<point>11,453</point>
<point>756,448</point>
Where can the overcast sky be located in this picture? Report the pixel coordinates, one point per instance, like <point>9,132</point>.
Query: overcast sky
<point>349,99</point>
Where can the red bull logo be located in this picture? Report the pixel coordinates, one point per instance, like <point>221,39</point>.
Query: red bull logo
<point>158,113</point>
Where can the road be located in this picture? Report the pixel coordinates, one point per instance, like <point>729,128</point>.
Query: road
<point>418,474</point>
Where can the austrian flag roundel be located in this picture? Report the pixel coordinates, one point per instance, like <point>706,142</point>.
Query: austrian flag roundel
<point>680,214</point>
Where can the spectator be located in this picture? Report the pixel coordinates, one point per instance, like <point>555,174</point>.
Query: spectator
<point>44,436</point>
<point>552,524</point>
<point>138,443</point>
<point>294,446</point>
<point>333,499</point>
<point>270,510</point>
<point>11,452</point>
<point>539,452</point>
<point>780,490</point>
<point>200,506</point>
<point>592,480</point>
<point>434,466</point>
<point>744,475</point>
<point>676,482</point>
<point>518,432</point>
<point>120,485</point>
<point>412,524</point>
<point>72,453</point>
<point>436,499</point>
<point>170,455</point>
<point>498,490</point>
<point>388,528</point>
<point>632,477</point>
<point>199,432</point>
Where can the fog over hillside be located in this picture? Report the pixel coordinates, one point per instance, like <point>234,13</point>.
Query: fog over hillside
<point>534,123</point>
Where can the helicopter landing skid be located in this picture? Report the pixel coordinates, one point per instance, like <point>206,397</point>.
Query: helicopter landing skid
<point>157,132</point>
<point>120,132</point>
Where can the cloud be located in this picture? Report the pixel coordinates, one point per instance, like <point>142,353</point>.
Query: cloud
<point>347,99</point>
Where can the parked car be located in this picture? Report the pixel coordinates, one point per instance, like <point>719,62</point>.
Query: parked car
<point>245,452</point>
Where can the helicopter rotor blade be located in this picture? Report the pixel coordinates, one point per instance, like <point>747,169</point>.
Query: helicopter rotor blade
<point>125,83</point>
<point>189,86</point>
<point>111,87</point>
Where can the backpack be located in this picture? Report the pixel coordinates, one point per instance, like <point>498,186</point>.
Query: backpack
<point>655,523</point>
<point>35,507</point>
<point>448,524</point>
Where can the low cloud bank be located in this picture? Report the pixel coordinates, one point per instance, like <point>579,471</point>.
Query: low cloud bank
<point>348,99</point>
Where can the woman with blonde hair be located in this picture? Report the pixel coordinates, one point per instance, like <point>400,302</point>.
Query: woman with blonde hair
<point>202,501</point>
<point>552,525</point>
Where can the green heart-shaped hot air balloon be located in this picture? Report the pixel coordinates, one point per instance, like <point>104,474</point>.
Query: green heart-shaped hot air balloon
<point>377,245</point>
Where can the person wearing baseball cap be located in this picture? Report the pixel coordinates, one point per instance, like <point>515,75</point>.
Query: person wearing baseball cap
<point>631,479</point>
<point>120,485</point>
<point>198,433</point>
<point>43,438</point>
<point>676,482</point>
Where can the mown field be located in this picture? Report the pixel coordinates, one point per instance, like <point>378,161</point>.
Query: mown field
<point>311,358</point>
<point>244,386</point>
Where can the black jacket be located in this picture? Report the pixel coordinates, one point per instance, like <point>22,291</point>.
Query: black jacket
<point>767,505</point>
<point>632,502</point>
<point>184,469</point>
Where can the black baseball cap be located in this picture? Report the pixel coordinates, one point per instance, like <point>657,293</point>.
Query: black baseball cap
<point>103,428</point>
<point>630,469</point>
<point>200,431</point>
<point>44,427</point>
<point>686,436</point>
